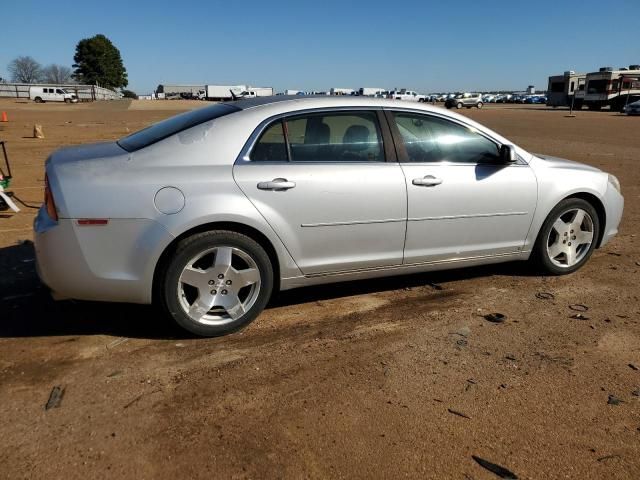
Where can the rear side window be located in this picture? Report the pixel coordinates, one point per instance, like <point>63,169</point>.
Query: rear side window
<point>271,146</point>
<point>322,137</point>
<point>173,125</point>
<point>432,139</point>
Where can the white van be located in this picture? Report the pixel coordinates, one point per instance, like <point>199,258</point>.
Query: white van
<point>51,94</point>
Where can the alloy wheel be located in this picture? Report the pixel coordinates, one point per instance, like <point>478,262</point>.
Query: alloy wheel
<point>219,285</point>
<point>570,238</point>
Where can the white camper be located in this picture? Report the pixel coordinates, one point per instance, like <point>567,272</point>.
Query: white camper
<point>613,88</point>
<point>562,89</point>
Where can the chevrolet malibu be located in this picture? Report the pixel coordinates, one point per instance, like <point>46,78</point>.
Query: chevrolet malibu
<point>208,213</point>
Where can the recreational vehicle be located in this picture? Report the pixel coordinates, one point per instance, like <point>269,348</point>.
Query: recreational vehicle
<point>562,89</point>
<point>612,88</point>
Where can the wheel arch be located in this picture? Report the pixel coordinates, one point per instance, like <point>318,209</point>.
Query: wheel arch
<point>597,204</point>
<point>238,227</point>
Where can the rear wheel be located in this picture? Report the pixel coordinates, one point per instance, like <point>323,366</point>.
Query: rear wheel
<point>459,105</point>
<point>567,237</point>
<point>479,105</point>
<point>38,100</point>
<point>216,283</point>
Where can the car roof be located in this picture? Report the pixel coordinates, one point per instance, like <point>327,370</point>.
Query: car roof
<point>301,102</point>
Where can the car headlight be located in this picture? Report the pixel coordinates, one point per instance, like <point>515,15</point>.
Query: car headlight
<point>615,182</point>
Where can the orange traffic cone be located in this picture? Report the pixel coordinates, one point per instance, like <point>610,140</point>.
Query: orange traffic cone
<point>4,117</point>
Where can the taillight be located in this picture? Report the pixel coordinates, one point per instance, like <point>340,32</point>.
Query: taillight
<point>48,200</point>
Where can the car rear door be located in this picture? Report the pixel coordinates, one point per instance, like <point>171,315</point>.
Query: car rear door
<point>329,185</point>
<point>463,202</point>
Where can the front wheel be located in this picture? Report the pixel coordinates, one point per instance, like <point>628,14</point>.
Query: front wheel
<point>216,283</point>
<point>479,105</point>
<point>459,105</point>
<point>567,237</point>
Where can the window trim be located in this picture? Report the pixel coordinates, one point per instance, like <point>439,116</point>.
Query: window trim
<point>388,149</point>
<point>401,152</point>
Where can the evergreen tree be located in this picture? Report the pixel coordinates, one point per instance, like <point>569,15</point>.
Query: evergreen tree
<point>97,60</point>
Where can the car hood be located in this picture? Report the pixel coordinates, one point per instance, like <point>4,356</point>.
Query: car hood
<point>555,162</point>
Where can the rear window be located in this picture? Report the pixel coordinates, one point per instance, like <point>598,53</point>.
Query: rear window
<point>173,125</point>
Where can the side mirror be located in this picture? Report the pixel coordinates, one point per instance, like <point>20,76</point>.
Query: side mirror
<point>508,154</point>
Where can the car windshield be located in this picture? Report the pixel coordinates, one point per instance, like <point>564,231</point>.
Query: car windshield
<point>173,125</point>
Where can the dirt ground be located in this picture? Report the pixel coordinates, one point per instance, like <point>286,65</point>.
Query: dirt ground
<point>398,377</point>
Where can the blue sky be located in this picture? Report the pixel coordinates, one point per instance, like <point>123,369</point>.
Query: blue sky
<point>421,45</point>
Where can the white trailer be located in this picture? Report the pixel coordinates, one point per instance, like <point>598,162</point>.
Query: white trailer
<point>223,92</point>
<point>613,88</point>
<point>370,91</point>
<point>261,91</point>
<point>341,91</point>
<point>291,92</point>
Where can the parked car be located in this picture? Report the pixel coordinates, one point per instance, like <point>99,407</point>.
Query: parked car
<point>465,100</point>
<point>209,212</point>
<point>51,94</point>
<point>535,99</point>
<point>632,108</point>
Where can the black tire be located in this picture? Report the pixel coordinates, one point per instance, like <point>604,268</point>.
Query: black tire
<point>479,105</point>
<point>38,100</point>
<point>189,248</point>
<point>539,255</point>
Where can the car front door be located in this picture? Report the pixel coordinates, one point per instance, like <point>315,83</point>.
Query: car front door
<point>463,201</point>
<point>323,183</point>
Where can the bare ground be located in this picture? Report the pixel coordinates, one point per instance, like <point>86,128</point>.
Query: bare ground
<point>398,377</point>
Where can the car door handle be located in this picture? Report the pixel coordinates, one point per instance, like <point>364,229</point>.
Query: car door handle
<point>277,184</point>
<point>427,181</point>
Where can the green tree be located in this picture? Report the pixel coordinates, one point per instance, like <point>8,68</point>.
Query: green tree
<point>97,60</point>
<point>129,94</point>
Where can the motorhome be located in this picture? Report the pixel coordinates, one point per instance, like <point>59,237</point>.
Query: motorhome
<point>51,94</point>
<point>612,88</point>
<point>562,89</point>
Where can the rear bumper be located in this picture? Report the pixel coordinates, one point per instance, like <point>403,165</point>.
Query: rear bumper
<point>113,263</point>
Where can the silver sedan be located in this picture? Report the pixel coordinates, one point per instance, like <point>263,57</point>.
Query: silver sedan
<point>210,212</point>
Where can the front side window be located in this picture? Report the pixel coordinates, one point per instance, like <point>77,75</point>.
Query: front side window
<point>432,139</point>
<point>322,137</point>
